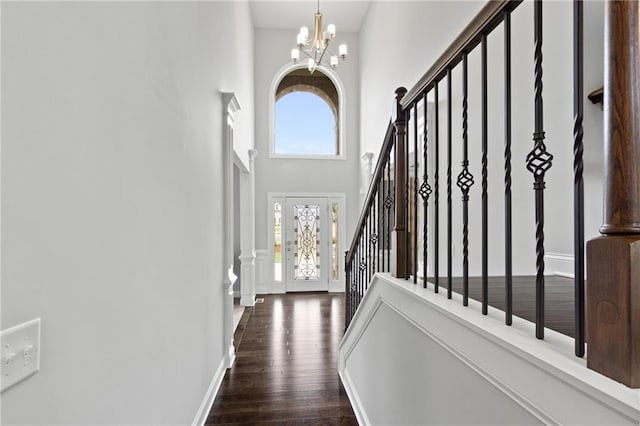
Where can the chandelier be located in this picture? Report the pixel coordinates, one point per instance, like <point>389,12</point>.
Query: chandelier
<point>316,49</point>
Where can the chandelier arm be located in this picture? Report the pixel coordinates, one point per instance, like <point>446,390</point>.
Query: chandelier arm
<point>319,61</point>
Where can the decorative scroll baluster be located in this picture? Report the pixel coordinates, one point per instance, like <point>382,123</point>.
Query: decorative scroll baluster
<point>465,181</point>
<point>507,172</point>
<point>436,185</point>
<point>381,199</point>
<point>538,162</point>
<point>449,209</point>
<point>425,192</point>
<point>347,290</point>
<point>578,184</point>
<point>388,202</point>
<point>415,193</point>
<point>374,238</point>
<point>485,198</point>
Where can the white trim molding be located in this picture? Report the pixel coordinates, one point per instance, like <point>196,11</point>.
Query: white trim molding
<point>559,264</point>
<point>210,396</point>
<point>230,106</point>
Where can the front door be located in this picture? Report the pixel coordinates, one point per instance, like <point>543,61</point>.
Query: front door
<point>307,244</point>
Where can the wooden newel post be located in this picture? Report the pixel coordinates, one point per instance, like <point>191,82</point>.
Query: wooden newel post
<point>400,122</point>
<point>613,260</point>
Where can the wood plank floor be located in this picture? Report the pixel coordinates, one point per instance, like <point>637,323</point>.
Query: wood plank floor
<point>559,296</point>
<point>286,365</point>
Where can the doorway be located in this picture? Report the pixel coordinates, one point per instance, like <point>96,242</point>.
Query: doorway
<point>306,242</point>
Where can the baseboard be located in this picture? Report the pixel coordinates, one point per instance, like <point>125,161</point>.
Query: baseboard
<point>559,264</point>
<point>210,396</point>
<point>354,399</point>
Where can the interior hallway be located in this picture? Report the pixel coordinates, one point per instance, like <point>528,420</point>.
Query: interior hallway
<point>286,364</point>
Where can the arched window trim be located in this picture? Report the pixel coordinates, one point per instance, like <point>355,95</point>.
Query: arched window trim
<point>341,113</point>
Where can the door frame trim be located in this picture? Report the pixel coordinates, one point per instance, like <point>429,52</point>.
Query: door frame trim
<point>335,286</point>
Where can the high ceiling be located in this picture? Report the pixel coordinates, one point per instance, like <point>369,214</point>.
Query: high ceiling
<point>347,15</point>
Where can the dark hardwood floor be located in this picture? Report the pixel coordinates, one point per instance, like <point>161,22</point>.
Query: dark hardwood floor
<point>559,296</point>
<point>286,364</point>
<point>287,348</point>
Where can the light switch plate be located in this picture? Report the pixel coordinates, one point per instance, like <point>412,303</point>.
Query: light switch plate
<point>20,353</point>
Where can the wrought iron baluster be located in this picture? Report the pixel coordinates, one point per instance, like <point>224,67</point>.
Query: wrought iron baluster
<point>388,202</point>
<point>465,181</point>
<point>415,193</point>
<point>449,209</point>
<point>407,200</point>
<point>425,192</point>
<point>485,198</point>
<point>436,186</point>
<point>538,162</point>
<point>382,197</point>
<point>578,184</point>
<point>347,291</point>
<point>374,236</point>
<point>507,172</point>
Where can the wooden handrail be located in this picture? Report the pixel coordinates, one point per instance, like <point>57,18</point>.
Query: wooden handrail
<point>387,145</point>
<point>483,23</point>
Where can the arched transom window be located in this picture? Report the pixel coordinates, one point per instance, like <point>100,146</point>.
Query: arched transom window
<point>306,116</point>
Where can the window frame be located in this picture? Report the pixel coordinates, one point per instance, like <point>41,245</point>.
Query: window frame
<point>341,115</point>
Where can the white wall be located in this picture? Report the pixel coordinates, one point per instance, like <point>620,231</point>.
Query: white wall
<point>306,175</point>
<point>111,202</point>
<point>427,29</point>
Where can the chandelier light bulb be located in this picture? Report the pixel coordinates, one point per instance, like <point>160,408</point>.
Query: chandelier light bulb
<point>295,55</point>
<point>342,50</point>
<point>301,39</point>
<point>334,61</point>
<point>305,33</point>
<point>310,64</point>
<point>331,29</point>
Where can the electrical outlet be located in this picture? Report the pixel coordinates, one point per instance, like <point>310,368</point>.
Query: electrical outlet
<point>20,353</point>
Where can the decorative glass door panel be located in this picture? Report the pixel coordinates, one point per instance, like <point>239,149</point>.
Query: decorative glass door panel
<point>307,244</point>
<point>306,250</point>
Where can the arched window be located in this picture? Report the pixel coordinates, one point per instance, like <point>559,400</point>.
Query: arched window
<point>307,115</point>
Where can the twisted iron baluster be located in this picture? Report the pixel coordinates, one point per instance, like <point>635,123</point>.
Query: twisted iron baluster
<point>578,184</point>
<point>485,174</point>
<point>465,181</point>
<point>538,162</point>
<point>425,192</point>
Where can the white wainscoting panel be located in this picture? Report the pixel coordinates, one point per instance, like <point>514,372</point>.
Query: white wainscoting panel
<point>411,356</point>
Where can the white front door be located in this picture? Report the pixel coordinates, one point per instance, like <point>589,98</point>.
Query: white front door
<point>306,238</point>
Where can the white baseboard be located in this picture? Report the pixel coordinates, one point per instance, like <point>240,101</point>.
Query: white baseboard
<point>210,396</point>
<point>559,264</point>
<point>354,398</point>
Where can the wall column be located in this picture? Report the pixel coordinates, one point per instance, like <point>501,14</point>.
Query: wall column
<point>248,235</point>
<point>613,259</point>
<point>230,105</point>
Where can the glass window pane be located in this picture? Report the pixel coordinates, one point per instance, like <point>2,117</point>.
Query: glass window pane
<point>335,269</point>
<point>304,125</point>
<point>306,263</point>
<point>277,241</point>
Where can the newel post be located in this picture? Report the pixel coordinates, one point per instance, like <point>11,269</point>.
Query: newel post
<point>613,259</point>
<point>401,236</point>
